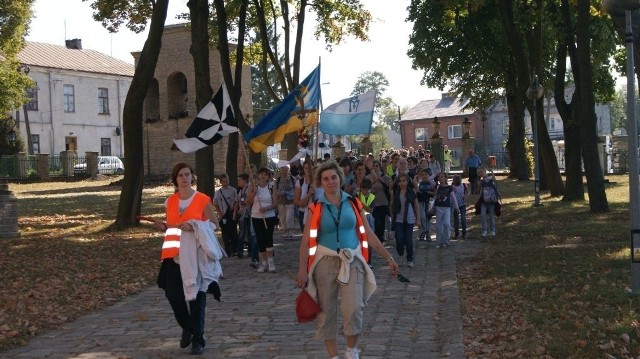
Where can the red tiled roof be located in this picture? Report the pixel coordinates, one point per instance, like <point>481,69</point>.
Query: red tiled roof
<point>60,57</point>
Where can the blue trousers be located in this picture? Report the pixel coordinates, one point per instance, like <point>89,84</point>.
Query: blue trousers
<point>404,239</point>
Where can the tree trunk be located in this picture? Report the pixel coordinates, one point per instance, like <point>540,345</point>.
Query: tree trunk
<point>233,152</point>
<point>574,190</point>
<point>517,83</point>
<point>518,167</point>
<point>588,126</point>
<point>131,193</point>
<point>549,170</point>
<point>199,12</point>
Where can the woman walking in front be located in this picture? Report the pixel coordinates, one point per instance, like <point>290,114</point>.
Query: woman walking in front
<point>184,283</point>
<point>333,260</point>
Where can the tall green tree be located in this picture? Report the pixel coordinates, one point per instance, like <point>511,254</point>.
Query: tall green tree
<point>135,13</point>
<point>587,41</point>
<point>15,16</point>
<point>281,32</point>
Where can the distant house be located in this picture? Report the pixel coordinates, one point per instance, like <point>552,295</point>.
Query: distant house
<point>489,130</point>
<point>498,121</point>
<point>78,99</point>
<point>417,125</point>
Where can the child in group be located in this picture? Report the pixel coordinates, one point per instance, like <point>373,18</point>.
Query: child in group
<point>368,203</point>
<point>445,200</point>
<point>405,215</point>
<point>368,200</point>
<point>425,187</point>
<point>460,213</point>
<point>490,196</point>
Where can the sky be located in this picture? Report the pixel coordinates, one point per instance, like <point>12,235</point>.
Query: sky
<point>386,52</point>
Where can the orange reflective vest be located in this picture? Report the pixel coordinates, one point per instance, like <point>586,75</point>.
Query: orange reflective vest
<point>316,215</point>
<point>195,210</point>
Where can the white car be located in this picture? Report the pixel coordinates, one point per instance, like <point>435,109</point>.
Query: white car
<point>107,165</point>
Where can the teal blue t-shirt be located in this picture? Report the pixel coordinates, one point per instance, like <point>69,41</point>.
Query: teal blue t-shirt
<point>345,236</point>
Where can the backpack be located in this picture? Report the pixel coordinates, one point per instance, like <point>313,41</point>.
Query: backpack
<point>288,195</point>
<point>489,192</point>
<point>443,196</point>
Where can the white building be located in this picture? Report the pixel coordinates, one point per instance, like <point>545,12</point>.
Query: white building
<point>78,99</point>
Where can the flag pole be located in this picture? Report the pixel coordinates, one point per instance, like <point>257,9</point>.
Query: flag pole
<point>317,127</point>
<point>251,180</point>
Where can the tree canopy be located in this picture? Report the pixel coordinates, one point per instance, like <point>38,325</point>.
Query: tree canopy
<point>15,16</point>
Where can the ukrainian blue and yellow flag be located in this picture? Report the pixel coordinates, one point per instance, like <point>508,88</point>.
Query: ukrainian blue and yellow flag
<point>302,103</point>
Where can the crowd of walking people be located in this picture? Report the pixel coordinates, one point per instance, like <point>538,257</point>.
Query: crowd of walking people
<point>340,210</point>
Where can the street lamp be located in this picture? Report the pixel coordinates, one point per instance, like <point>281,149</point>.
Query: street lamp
<point>614,8</point>
<point>25,69</point>
<point>483,119</point>
<point>534,92</point>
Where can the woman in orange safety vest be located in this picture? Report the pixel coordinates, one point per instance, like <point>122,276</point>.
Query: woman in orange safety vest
<point>185,204</point>
<point>333,258</point>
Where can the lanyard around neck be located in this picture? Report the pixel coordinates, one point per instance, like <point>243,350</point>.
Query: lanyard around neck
<point>336,221</point>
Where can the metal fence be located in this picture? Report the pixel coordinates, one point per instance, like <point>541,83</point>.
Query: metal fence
<point>15,168</point>
<point>503,161</point>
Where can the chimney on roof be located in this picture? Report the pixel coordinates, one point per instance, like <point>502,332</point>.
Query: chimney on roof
<point>74,44</point>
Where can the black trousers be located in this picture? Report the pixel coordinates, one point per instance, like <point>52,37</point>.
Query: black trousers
<point>230,236</point>
<point>189,315</point>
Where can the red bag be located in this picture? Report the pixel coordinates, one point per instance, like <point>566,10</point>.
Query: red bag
<point>306,308</point>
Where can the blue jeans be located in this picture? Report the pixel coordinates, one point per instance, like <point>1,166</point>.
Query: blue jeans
<point>247,235</point>
<point>443,225</point>
<point>425,223</point>
<point>460,218</point>
<point>404,239</point>
<point>484,208</point>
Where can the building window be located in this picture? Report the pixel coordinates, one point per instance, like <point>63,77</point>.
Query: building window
<point>69,98</point>
<point>505,126</point>
<point>105,147</point>
<point>455,131</point>
<point>32,94</point>
<point>35,143</point>
<point>421,134</point>
<point>103,101</point>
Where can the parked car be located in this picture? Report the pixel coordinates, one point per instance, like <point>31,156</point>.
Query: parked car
<point>107,165</point>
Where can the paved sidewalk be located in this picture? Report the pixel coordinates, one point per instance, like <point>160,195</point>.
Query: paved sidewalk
<point>256,317</point>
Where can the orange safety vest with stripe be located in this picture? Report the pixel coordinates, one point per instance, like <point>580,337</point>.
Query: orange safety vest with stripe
<point>316,216</point>
<point>195,210</point>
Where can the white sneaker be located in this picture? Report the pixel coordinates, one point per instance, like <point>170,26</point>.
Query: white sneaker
<point>263,267</point>
<point>492,234</point>
<point>410,264</point>
<point>352,353</point>
<point>271,265</point>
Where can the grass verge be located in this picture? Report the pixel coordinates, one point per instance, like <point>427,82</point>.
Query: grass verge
<point>555,282</point>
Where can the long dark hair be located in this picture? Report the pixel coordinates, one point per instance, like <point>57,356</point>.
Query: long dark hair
<point>410,194</point>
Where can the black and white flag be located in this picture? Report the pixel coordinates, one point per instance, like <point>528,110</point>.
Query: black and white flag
<point>213,122</point>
